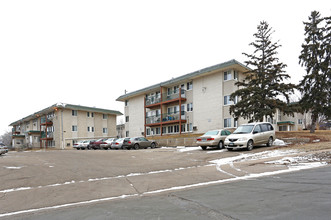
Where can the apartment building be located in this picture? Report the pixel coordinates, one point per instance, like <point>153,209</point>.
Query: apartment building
<point>192,103</point>
<point>61,125</point>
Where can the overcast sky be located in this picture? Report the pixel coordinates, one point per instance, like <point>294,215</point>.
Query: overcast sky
<point>89,52</point>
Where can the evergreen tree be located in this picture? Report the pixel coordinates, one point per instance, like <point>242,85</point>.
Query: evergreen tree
<point>315,85</point>
<point>261,90</point>
<point>327,62</point>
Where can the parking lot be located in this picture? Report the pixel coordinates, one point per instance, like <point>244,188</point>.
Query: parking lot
<point>35,181</point>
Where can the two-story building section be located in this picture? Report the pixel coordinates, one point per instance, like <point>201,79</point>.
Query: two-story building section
<point>61,125</point>
<point>195,102</point>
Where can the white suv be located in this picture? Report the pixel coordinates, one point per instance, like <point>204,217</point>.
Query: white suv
<point>249,135</point>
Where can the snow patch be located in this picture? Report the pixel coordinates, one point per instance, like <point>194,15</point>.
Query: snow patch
<point>13,168</point>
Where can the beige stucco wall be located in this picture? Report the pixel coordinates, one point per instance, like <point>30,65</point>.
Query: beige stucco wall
<point>207,102</point>
<point>135,110</point>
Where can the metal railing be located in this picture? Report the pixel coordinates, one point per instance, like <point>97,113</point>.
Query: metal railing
<point>165,97</point>
<point>166,117</point>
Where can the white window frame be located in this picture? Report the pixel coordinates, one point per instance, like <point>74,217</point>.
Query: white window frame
<point>227,75</point>
<point>227,122</point>
<point>74,128</point>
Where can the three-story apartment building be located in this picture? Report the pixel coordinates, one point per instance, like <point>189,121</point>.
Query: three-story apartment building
<point>61,125</point>
<point>195,102</point>
<point>192,103</point>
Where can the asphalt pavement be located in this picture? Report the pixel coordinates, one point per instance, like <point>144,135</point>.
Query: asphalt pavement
<point>300,195</point>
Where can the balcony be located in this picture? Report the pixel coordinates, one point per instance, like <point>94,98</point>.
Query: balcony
<point>14,131</point>
<point>168,118</point>
<point>45,121</point>
<point>49,136</point>
<point>166,98</point>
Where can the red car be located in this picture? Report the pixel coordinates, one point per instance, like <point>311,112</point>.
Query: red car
<point>96,144</point>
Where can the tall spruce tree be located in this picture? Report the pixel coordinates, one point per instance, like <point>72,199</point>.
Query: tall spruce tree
<point>263,90</point>
<point>327,61</point>
<point>315,85</point>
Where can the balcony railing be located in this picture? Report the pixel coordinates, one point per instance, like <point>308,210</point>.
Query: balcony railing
<point>171,96</point>
<point>164,118</point>
<point>49,134</point>
<point>165,97</point>
<point>45,121</point>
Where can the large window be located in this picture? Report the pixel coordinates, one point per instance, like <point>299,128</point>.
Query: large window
<point>227,75</point>
<point>227,122</point>
<point>105,130</point>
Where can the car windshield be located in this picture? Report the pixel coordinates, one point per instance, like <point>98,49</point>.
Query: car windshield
<point>211,133</point>
<point>244,129</point>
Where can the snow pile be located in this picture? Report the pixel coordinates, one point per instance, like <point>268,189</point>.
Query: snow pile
<point>185,149</point>
<point>278,142</point>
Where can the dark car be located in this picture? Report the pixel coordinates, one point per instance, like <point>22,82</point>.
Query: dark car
<point>138,142</point>
<point>96,144</point>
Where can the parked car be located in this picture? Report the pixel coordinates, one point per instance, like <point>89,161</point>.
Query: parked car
<point>88,143</point>
<point>250,135</point>
<point>96,144</point>
<point>214,138</point>
<point>79,145</point>
<point>138,142</point>
<point>3,148</point>
<point>107,145</point>
<point>118,143</point>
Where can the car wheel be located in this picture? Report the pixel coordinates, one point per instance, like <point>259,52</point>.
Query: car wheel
<point>250,145</point>
<point>153,145</point>
<point>220,145</point>
<point>204,147</point>
<point>136,146</point>
<point>78,148</point>
<point>269,144</point>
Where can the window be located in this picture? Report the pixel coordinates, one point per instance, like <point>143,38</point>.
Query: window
<point>127,134</point>
<point>157,131</point>
<point>176,109</point>
<point>92,114</point>
<point>74,128</point>
<point>105,130</point>
<point>189,127</point>
<point>88,114</point>
<point>176,128</point>
<point>176,89</point>
<point>300,121</point>
<point>164,130</point>
<point>227,100</point>
<point>127,119</point>
<point>169,91</point>
<point>190,107</point>
<point>235,75</point>
<point>104,116</point>
<point>189,86</point>
<point>183,127</point>
<point>90,129</point>
<point>148,131</point>
<point>257,129</point>
<point>126,102</point>
<point>235,123</point>
<point>227,122</point>
<point>74,112</point>
<point>227,75</point>
<point>170,129</point>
